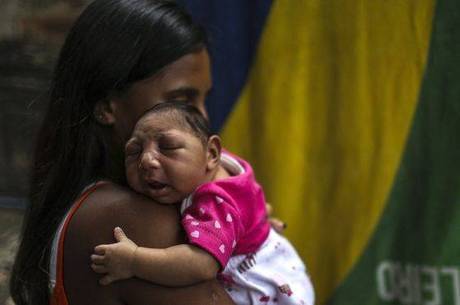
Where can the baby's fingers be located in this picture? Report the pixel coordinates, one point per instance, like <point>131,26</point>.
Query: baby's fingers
<point>120,235</point>
<point>106,280</point>
<point>98,259</point>
<point>100,249</point>
<point>99,268</point>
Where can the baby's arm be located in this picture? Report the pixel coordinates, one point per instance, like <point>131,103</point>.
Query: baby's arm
<point>179,265</point>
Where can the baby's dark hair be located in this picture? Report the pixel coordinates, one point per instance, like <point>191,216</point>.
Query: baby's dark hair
<point>186,116</point>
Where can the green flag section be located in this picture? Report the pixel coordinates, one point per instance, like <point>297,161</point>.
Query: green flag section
<point>414,254</point>
<point>324,119</point>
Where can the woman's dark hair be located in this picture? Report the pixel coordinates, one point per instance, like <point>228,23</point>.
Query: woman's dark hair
<point>113,44</point>
<point>185,116</point>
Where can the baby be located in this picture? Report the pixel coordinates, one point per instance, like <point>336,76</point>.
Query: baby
<point>172,157</point>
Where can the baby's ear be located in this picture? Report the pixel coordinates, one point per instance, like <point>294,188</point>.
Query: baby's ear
<point>213,153</point>
<point>103,112</point>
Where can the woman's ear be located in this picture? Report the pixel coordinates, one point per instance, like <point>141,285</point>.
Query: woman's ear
<point>214,150</point>
<point>103,112</point>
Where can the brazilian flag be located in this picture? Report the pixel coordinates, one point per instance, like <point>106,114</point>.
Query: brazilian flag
<point>349,112</point>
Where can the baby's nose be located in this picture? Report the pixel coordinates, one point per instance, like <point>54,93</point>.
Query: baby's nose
<point>149,161</point>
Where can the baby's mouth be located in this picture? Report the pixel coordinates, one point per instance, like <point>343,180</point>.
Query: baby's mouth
<point>157,185</point>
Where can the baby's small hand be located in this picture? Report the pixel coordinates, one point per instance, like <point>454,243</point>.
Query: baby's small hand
<point>114,259</point>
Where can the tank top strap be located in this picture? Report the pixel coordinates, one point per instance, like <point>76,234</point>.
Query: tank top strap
<point>58,295</point>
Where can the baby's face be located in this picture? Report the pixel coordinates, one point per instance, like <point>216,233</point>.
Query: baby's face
<point>163,161</point>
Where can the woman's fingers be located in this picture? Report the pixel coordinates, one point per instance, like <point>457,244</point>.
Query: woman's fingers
<point>277,224</point>
<point>269,208</point>
<point>99,268</point>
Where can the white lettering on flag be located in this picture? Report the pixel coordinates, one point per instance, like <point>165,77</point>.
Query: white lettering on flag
<point>408,283</point>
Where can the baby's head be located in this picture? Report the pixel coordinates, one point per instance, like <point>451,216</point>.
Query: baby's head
<point>171,152</point>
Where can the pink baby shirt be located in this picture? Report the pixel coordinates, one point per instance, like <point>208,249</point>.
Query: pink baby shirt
<point>228,216</point>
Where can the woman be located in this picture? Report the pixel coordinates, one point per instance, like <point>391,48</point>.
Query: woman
<point>120,58</point>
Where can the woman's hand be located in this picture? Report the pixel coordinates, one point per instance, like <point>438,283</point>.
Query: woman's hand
<point>116,259</point>
<point>276,224</point>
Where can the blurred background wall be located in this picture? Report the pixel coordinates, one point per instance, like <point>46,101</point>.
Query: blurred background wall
<point>348,110</point>
<point>31,33</point>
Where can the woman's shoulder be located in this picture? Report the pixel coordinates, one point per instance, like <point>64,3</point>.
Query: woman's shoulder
<point>146,222</point>
<point>110,205</point>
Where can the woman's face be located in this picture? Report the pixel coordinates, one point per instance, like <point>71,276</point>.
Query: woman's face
<point>188,79</point>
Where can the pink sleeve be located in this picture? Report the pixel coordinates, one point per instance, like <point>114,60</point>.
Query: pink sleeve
<point>212,223</point>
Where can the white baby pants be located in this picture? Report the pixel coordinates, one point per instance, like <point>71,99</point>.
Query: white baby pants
<point>274,275</point>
